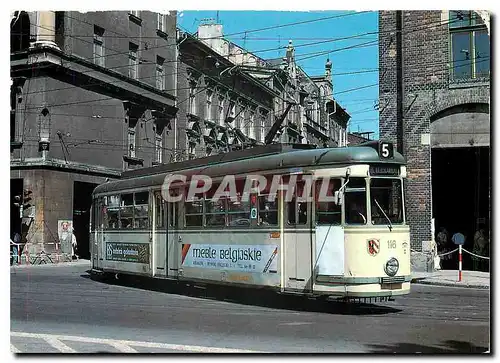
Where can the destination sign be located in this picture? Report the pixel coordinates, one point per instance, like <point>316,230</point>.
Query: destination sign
<point>388,170</point>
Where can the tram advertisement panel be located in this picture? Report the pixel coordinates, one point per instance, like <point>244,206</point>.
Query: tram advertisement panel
<point>245,258</point>
<point>127,252</point>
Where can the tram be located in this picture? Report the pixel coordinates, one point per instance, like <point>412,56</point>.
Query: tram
<point>162,223</point>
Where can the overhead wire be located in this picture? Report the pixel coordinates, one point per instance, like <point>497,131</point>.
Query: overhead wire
<point>314,55</point>
<point>336,93</point>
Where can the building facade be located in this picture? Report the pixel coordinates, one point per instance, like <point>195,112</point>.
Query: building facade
<point>92,94</point>
<point>435,98</point>
<point>310,114</point>
<point>221,108</point>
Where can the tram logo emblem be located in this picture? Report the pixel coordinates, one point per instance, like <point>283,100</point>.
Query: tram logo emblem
<point>373,247</point>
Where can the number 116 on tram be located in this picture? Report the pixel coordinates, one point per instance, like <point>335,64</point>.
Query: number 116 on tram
<point>323,222</point>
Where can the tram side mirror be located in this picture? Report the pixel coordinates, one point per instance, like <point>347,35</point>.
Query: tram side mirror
<point>339,197</point>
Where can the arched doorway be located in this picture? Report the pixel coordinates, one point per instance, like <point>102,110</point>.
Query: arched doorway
<point>461,173</point>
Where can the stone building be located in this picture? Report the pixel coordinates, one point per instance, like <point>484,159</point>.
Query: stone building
<point>221,108</point>
<point>435,95</point>
<point>313,117</point>
<point>92,94</point>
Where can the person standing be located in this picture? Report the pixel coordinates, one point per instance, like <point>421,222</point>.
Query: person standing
<point>480,248</point>
<point>443,247</point>
<point>73,246</point>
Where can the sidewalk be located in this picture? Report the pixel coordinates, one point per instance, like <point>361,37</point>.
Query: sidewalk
<point>473,279</point>
<point>72,263</point>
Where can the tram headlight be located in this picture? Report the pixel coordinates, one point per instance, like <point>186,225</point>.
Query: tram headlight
<point>392,267</point>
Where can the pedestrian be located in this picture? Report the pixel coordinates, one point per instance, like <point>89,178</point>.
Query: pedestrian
<point>480,248</point>
<point>442,242</point>
<point>15,247</point>
<point>73,246</point>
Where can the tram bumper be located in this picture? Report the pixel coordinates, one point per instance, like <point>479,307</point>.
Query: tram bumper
<point>362,286</point>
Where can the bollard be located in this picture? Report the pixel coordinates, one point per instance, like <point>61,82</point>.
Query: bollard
<point>459,263</point>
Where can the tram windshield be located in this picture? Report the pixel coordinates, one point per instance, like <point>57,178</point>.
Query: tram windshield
<point>355,201</point>
<point>386,198</point>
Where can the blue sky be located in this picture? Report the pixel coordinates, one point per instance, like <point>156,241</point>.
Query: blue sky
<point>359,103</point>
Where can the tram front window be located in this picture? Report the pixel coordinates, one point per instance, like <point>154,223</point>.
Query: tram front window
<point>355,201</point>
<point>386,199</point>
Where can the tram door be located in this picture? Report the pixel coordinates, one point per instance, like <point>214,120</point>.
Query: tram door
<point>97,236</point>
<point>173,250</point>
<point>160,232</point>
<point>297,245</point>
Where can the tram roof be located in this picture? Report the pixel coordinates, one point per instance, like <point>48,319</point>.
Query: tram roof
<point>269,157</point>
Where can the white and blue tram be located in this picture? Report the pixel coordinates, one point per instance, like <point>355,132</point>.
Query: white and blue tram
<point>356,245</point>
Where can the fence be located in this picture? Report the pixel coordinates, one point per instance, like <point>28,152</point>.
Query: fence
<point>460,250</point>
<point>20,255</point>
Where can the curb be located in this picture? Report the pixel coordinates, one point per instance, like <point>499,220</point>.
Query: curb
<point>422,281</point>
<point>73,263</point>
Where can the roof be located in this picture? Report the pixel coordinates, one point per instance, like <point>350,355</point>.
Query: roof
<point>276,157</point>
<point>354,139</point>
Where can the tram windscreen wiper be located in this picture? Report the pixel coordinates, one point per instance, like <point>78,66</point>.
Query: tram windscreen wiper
<point>385,215</point>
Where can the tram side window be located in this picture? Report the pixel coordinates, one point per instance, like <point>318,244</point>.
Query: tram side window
<point>268,210</point>
<point>327,212</point>
<point>194,211</point>
<point>127,211</point>
<point>111,210</point>
<point>297,210</point>
<point>238,213</point>
<point>141,210</point>
<point>215,212</point>
<point>173,209</point>
<point>160,210</point>
<point>355,201</point>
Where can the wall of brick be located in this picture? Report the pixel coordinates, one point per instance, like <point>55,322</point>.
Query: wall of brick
<point>426,92</point>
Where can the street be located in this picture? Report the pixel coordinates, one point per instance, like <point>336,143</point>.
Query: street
<point>60,309</point>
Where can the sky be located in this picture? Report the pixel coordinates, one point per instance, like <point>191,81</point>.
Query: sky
<point>358,103</point>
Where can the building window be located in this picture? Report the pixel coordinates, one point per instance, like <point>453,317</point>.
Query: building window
<point>232,110</point>
<point>158,148</point>
<point>98,46</point>
<point>131,142</point>
<point>192,99</point>
<point>470,46</point>
<point>161,22</point>
<point>191,150</point>
<point>251,125</point>
<point>133,61</point>
<point>221,110</point>
<point>160,74</point>
<point>262,128</point>
<point>208,110</point>
<point>240,120</point>
<point>135,13</point>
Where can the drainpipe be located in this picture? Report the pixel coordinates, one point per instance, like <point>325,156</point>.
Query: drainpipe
<point>399,83</point>
<point>176,79</point>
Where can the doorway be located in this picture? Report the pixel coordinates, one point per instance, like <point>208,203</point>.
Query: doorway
<point>16,190</point>
<point>461,194</point>
<point>82,200</point>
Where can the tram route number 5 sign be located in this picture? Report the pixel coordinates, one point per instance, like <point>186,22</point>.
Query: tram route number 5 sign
<point>386,150</point>
<point>127,252</point>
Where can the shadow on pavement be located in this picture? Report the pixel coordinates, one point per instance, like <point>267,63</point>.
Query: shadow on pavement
<point>256,297</point>
<point>446,347</point>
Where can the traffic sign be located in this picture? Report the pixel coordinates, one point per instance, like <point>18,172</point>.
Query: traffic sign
<point>458,239</point>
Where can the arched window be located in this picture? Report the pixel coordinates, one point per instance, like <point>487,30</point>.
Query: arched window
<point>19,32</point>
